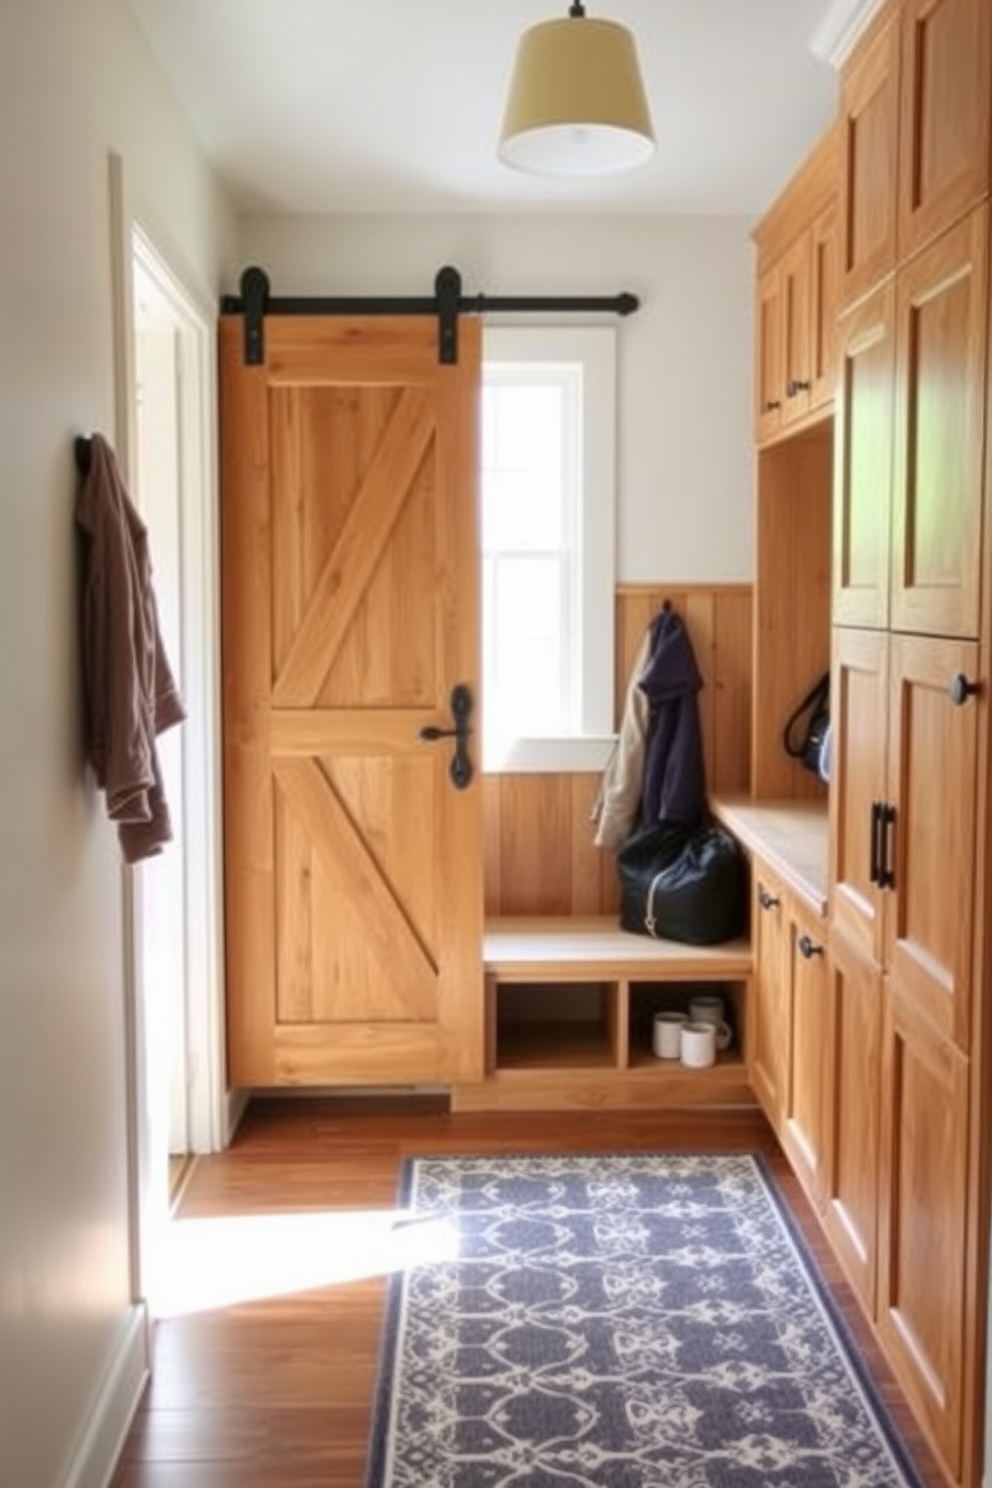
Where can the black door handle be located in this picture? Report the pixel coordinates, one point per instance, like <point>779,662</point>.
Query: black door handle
<point>875,863</point>
<point>809,947</point>
<point>460,769</point>
<point>766,900</point>
<point>886,869</point>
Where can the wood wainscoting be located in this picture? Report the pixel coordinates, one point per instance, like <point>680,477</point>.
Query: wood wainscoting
<point>540,856</point>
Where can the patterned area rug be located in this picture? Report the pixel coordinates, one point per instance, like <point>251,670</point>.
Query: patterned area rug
<point>619,1322</point>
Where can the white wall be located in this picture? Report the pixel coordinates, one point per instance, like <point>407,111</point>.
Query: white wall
<point>75,83</point>
<point>684,429</point>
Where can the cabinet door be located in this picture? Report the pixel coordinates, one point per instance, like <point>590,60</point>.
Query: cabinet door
<point>795,291</point>
<point>823,308</point>
<point>870,123</point>
<point>857,786</point>
<point>923,1220</point>
<point>850,1213</point>
<point>768,371</point>
<point>941,312</point>
<point>804,1122</point>
<point>769,1026</point>
<point>930,850</point>
<point>944,130</point>
<point>863,462</point>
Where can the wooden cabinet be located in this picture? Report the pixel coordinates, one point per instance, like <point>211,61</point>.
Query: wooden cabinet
<point>905,859</point>
<point>923,1211</point>
<point>862,501</point>
<point>769,377</point>
<point>906,1107</point>
<point>789,1025</point>
<point>858,717</point>
<point>806,1111</point>
<point>908,497</point>
<point>797,371</point>
<point>941,333</point>
<point>944,127</point>
<point>768,1029</point>
<point>823,300</point>
<point>854,1049</point>
<point>869,118</point>
<point>904,833</point>
<point>916,102</point>
<point>796,299</point>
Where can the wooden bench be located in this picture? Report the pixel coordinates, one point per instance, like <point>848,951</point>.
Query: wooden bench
<point>569,1004</point>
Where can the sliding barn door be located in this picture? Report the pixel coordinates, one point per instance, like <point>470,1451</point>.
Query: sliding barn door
<point>353,863</point>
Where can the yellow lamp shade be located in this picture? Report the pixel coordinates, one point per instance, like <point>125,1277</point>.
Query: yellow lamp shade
<point>576,105</point>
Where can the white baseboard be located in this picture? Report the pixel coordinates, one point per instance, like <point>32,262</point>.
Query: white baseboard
<point>237,1105</point>
<point>113,1410</point>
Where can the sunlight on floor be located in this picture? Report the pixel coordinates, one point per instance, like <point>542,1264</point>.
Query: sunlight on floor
<point>213,1263</point>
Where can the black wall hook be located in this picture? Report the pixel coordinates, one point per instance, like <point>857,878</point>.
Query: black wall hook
<point>82,451</point>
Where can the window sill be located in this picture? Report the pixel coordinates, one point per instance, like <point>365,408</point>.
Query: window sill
<point>574,755</point>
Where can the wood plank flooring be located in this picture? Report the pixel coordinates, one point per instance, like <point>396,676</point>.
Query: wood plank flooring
<point>273,1385</point>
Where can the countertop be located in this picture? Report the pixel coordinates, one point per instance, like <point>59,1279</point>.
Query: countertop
<point>790,836</point>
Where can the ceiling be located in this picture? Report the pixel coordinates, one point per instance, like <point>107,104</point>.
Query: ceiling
<point>394,105</point>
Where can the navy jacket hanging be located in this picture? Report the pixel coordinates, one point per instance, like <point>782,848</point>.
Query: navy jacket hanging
<point>674,771</point>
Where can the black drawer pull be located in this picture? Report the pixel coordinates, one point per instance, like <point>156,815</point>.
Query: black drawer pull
<point>766,900</point>
<point>809,947</point>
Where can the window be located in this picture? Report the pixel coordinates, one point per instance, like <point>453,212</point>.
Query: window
<point>548,547</point>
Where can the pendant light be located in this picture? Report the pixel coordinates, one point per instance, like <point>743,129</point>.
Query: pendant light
<point>576,105</point>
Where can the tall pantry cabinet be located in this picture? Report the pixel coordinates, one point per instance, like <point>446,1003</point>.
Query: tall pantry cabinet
<point>907,1189</point>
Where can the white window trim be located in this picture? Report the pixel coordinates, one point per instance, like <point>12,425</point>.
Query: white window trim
<point>595,348</point>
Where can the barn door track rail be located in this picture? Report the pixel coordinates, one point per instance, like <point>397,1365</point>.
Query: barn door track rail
<point>447,303</point>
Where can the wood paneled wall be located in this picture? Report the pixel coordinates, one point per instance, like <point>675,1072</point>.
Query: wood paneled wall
<point>792,604</point>
<point>540,853</point>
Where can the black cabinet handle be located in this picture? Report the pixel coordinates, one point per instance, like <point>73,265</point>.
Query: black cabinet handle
<point>796,386</point>
<point>809,947</point>
<point>961,689</point>
<point>766,900</point>
<point>875,864</point>
<point>772,404</point>
<point>886,868</point>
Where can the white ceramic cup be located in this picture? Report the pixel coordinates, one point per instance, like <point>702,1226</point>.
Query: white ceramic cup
<point>706,1009</point>
<point>698,1045</point>
<point>666,1037</point>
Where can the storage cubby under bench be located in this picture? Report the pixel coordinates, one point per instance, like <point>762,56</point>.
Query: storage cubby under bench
<point>570,1003</point>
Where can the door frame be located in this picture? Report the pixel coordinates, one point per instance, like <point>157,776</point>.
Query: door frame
<point>213,1110</point>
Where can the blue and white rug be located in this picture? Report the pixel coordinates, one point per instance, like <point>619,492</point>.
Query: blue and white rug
<point>627,1321</point>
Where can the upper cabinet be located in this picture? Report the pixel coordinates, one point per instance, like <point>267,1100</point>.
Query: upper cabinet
<point>908,499</point>
<point>916,96</point>
<point>796,304</point>
<point>941,320</point>
<point>869,109</point>
<point>946,83</point>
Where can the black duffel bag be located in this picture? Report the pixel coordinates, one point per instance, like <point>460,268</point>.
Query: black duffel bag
<point>679,883</point>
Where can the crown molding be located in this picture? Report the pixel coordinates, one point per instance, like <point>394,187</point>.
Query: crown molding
<point>844,23</point>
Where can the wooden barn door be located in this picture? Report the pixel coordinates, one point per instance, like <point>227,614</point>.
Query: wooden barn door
<point>353,864</point>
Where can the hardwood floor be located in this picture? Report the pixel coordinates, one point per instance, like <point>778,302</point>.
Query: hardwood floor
<point>269,1381</point>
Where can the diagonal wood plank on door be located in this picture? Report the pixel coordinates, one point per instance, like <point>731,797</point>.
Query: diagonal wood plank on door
<point>358,549</point>
<point>344,857</point>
